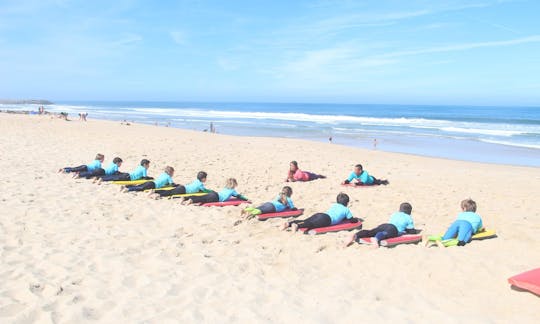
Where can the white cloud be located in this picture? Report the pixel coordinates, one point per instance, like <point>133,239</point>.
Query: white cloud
<point>179,37</point>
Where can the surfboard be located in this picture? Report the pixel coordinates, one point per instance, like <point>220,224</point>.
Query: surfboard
<point>345,225</point>
<point>286,213</point>
<point>403,239</point>
<point>186,195</point>
<point>230,202</point>
<point>162,188</point>
<point>359,186</point>
<point>486,234</point>
<point>130,182</point>
<point>528,280</point>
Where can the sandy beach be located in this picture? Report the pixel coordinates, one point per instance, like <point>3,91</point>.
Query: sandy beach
<point>73,251</point>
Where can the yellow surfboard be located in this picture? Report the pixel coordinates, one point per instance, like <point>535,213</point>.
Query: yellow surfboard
<point>130,182</point>
<point>488,233</point>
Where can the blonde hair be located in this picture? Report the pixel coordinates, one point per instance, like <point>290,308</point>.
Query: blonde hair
<point>231,183</point>
<point>468,205</point>
<point>169,170</point>
<point>99,156</point>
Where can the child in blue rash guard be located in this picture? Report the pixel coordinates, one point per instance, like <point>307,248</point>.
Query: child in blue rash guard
<point>139,173</point>
<point>111,169</point>
<point>282,202</point>
<point>400,222</point>
<point>213,196</point>
<point>360,177</point>
<point>164,179</point>
<point>335,215</point>
<point>467,224</point>
<point>196,186</point>
<point>96,164</point>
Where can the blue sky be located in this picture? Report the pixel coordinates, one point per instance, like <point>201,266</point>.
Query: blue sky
<point>478,52</point>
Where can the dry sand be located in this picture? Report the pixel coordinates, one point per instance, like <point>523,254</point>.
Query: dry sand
<point>72,251</point>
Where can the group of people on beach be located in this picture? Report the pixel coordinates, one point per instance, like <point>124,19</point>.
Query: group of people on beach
<point>459,233</point>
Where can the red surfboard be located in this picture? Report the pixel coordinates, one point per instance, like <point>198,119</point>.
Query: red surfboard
<point>345,225</point>
<point>403,239</point>
<point>286,213</point>
<point>529,280</point>
<point>230,202</point>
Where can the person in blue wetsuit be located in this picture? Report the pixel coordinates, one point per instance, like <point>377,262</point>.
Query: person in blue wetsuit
<point>111,169</point>
<point>224,195</point>
<point>164,179</point>
<point>400,223</point>
<point>360,177</point>
<point>139,173</point>
<point>460,232</point>
<point>282,202</point>
<point>335,215</point>
<point>90,167</point>
<point>196,186</point>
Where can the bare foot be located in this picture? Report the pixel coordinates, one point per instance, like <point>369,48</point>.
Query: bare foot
<point>375,243</point>
<point>294,227</point>
<point>76,176</point>
<point>350,241</point>
<point>154,196</point>
<point>440,244</point>
<point>426,241</point>
<point>99,181</point>
<point>284,226</point>
<point>61,171</point>
<point>151,192</point>
<point>123,188</point>
<point>188,202</point>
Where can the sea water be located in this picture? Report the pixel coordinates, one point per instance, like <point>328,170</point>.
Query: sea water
<point>505,135</point>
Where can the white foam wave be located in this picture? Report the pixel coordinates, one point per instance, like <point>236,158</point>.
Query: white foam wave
<point>525,145</point>
<point>493,132</point>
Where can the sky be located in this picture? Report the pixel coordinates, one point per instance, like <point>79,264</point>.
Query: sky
<point>475,52</point>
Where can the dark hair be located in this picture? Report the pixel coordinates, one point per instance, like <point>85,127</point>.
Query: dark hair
<point>99,156</point>
<point>117,160</point>
<point>145,161</point>
<point>405,208</point>
<point>294,163</point>
<point>359,166</point>
<point>342,199</point>
<point>201,175</point>
<point>287,191</point>
<point>468,205</point>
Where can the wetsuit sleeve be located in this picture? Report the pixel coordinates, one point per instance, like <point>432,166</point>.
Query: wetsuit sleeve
<point>350,178</point>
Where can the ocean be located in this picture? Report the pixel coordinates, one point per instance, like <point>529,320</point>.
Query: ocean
<point>503,135</point>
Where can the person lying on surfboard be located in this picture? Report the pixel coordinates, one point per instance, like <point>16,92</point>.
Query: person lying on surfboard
<point>400,223</point>
<point>335,215</point>
<point>224,195</point>
<point>282,202</point>
<point>164,179</point>
<point>111,169</point>
<point>360,177</point>
<point>196,186</point>
<point>460,232</point>
<point>96,164</point>
<point>139,173</point>
<point>295,174</point>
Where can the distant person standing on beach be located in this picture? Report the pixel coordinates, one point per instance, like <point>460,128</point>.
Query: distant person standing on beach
<point>212,129</point>
<point>374,143</point>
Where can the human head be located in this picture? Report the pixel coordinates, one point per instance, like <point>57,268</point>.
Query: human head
<point>406,208</point>
<point>169,170</point>
<point>100,157</point>
<point>468,205</point>
<point>286,191</point>
<point>231,183</point>
<point>358,169</point>
<point>201,176</point>
<point>293,166</point>
<point>342,199</point>
<point>118,161</point>
<point>145,163</point>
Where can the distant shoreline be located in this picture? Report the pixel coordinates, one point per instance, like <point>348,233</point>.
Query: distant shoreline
<point>25,102</point>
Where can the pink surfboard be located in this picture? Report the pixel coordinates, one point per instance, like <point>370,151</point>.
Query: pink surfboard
<point>345,225</point>
<point>286,213</point>
<point>230,202</point>
<point>529,280</point>
<point>403,239</point>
